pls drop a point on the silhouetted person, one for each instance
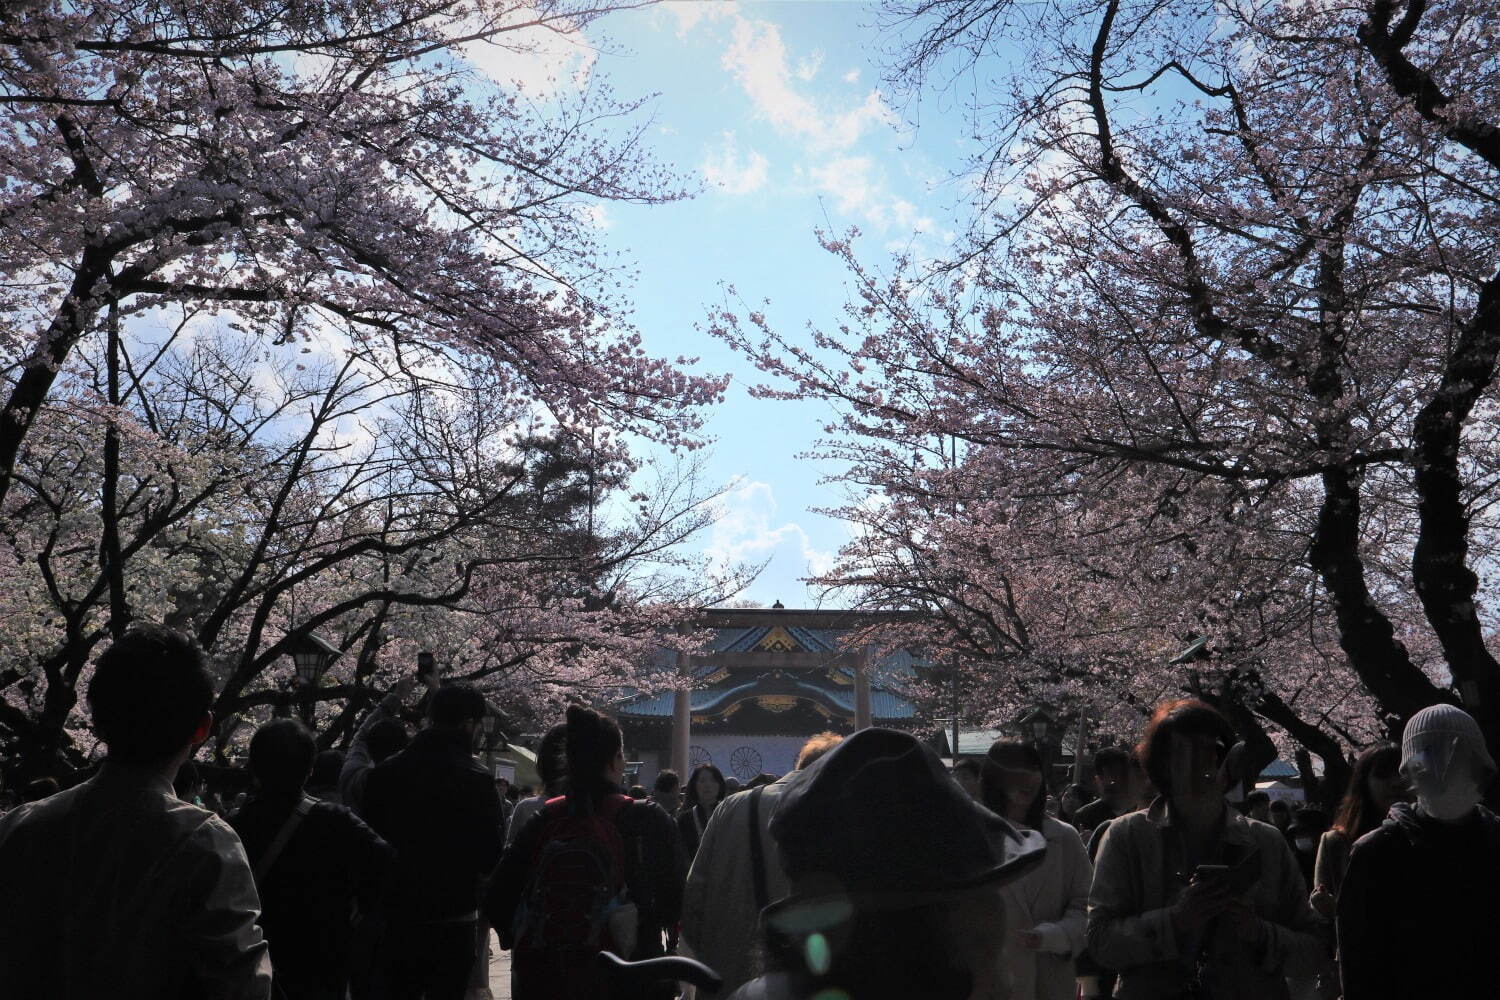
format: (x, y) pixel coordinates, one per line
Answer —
(1416, 911)
(381, 735)
(666, 791)
(323, 783)
(967, 773)
(1375, 785)
(552, 766)
(436, 805)
(117, 888)
(706, 788)
(314, 862)
(738, 873)
(1191, 897)
(1119, 782)
(594, 870)
(894, 874)
(1046, 907)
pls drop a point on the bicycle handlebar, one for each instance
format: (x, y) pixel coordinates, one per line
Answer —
(668, 968)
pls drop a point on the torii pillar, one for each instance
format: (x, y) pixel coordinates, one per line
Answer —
(862, 717)
(682, 721)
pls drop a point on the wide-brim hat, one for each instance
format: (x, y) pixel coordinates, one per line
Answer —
(880, 814)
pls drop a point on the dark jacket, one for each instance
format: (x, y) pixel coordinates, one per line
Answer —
(1415, 911)
(436, 805)
(691, 823)
(654, 874)
(1092, 814)
(331, 862)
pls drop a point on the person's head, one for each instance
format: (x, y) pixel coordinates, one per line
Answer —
(968, 772)
(1258, 806)
(1444, 756)
(39, 789)
(894, 872)
(732, 785)
(1074, 798)
(1375, 784)
(666, 790)
(502, 787)
(595, 752)
(458, 709)
(552, 760)
(1011, 783)
(327, 766)
(638, 792)
(706, 787)
(1184, 750)
(1281, 815)
(386, 738)
(150, 696)
(281, 757)
(1307, 827)
(1117, 777)
(815, 747)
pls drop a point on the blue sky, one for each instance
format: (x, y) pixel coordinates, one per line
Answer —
(777, 109)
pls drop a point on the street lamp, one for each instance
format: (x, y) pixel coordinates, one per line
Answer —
(1040, 724)
(311, 655)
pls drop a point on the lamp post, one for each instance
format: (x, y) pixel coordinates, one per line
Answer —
(311, 655)
(1040, 724)
(494, 739)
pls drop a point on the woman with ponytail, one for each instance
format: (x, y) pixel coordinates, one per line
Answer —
(592, 871)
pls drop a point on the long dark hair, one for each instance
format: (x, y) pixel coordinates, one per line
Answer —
(1004, 754)
(593, 740)
(1358, 814)
(690, 794)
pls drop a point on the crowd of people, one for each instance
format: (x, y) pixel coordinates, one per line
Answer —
(871, 870)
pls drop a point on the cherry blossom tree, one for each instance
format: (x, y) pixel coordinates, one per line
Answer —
(1237, 261)
(258, 501)
(291, 163)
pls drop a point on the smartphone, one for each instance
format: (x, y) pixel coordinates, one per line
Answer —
(1239, 877)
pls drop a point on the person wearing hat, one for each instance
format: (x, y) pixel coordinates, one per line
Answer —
(1415, 915)
(895, 874)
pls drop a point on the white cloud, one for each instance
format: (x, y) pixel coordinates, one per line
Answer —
(540, 59)
(725, 169)
(690, 13)
(746, 531)
(757, 58)
(808, 68)
(852, 76)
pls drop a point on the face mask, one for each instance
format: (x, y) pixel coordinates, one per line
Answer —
(1304, 844)
(1450, 802)
(1447, 789)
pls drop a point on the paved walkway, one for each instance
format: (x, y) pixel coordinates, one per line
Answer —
(499, 970)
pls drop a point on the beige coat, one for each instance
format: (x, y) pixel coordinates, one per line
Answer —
(1130, 929)
(720, 921)
(1053, 900)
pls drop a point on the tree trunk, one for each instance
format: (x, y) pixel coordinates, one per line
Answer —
(1365, 633)
(1445, 584)
(63, 333)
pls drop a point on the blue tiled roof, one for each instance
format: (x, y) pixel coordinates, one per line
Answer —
(731, 639)
(1279, 769)
(883, 704)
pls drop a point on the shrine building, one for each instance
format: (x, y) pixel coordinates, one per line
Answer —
(769, 679)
